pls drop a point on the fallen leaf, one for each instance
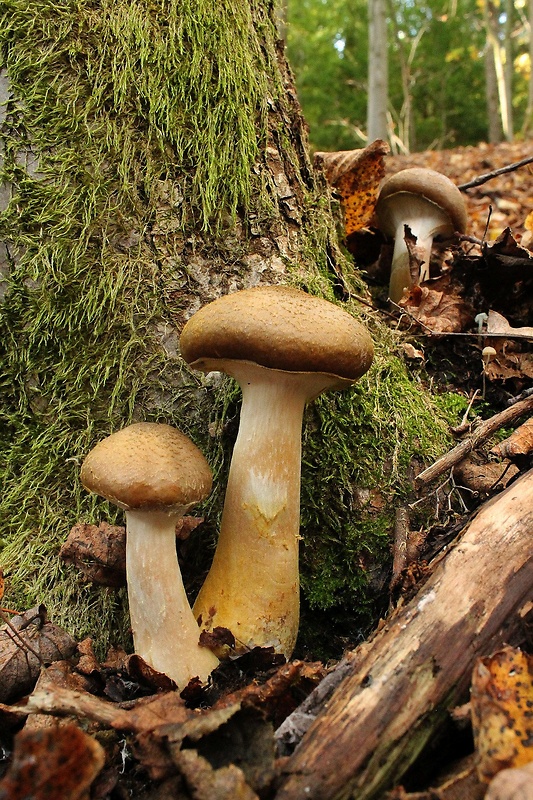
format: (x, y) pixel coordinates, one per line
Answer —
(501, 702)
(439, 306)
(206, 783)
(356, 175)
(496, 323)
(519, 443)
(512, 784)
(510, 362)
(483, 478)
(27, 643)
(411, 352)
(98, 551)
(52, 763)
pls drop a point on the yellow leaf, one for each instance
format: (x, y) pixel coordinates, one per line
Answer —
(502, 704)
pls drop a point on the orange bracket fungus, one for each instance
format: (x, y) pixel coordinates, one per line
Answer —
(284, 348)
(155, 473)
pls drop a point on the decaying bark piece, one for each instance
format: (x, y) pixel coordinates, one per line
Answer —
(397, 694)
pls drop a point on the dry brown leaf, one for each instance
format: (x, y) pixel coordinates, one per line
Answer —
(483, 478)
(509, 363)
(98, 551)
(410, 351)
(52, 763)
(27, 643)
(206, 783)
(356, 175)
(512, 784)
(519, 443)
(440, 308)
(497, 323)
(501, 702)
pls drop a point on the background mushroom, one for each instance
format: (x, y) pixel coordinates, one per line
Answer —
(284, 347)
(155, 473)
(430, 205)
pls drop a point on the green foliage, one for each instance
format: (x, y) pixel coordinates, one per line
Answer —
(435, 51)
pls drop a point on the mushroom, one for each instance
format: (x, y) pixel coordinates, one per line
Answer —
(284, 347)
(430, 205)
(155, 473)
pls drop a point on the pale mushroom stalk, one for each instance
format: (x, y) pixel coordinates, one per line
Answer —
(425, 220)
(161, 617)
(155, 474)
(284, 347)
(254, 576)
(429, 204)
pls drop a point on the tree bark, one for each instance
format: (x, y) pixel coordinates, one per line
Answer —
(378, 68)
(402, 684)
(494, 125)
(154, 156)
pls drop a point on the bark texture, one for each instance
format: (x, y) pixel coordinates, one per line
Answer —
(401, 685)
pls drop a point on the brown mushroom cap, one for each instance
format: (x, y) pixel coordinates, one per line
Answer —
(428, 183)
(280, 328)
(147, 466)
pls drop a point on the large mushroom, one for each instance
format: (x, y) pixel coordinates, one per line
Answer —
(155, 473)
(430, 205)
(284, 347)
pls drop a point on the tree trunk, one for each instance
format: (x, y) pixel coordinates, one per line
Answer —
(402, 684)
(527, 127)
(378, 78)
(492, 25)
(494, 124)
(157, 158)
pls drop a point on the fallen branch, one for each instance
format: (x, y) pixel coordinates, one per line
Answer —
(494, 174)
(483, 432)
(400, 686)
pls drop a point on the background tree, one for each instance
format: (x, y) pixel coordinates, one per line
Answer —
(378, 71)
(435, 49)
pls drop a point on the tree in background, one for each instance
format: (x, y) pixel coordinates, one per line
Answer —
(378, 71)
(439, 79)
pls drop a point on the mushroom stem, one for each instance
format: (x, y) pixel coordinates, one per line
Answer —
(252, 587)
(161, 617)
(424, 222)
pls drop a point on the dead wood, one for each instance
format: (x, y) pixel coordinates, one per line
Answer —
(494, 174)
(400, 686)
(483, 432)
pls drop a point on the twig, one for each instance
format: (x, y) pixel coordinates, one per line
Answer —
(488, 175)
(22, 643)
(465, 425)
(483, 432)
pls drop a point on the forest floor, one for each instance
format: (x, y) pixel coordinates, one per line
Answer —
(115, 730)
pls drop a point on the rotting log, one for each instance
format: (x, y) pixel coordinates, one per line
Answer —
(400, 686)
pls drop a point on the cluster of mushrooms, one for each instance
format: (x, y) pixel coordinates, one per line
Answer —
(284, 347)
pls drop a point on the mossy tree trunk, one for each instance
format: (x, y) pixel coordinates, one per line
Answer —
(154, 156)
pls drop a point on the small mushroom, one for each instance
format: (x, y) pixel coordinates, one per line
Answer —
(430, 205)
(487, 354)
(284, 347)
(155, 473)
